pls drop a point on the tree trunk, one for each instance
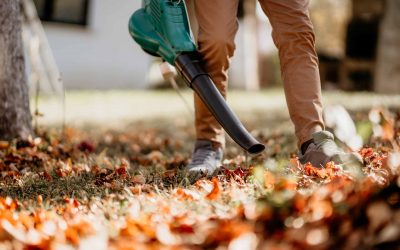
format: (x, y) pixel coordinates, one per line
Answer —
(387, 78)
(15, 116)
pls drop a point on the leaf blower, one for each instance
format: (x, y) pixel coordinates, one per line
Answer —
(162, 29)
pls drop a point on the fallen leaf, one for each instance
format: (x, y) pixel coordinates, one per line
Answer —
(216, 191)
(138, 179)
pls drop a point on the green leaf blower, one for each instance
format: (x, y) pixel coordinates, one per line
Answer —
(161, 28)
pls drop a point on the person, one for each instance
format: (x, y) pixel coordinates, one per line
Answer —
(293, 35)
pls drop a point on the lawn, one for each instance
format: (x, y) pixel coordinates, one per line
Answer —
(114, 179)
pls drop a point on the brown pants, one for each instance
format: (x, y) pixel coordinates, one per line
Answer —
(294, 37)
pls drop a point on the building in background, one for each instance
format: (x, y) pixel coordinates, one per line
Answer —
(358, 42)
(91, 43)
(93, 49)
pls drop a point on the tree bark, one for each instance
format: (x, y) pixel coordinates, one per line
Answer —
(387, 78)
(15, 116)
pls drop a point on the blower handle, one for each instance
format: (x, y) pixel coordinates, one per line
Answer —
(190, 66)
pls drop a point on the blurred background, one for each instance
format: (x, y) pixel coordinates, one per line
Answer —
(84, 46)
(356, 40)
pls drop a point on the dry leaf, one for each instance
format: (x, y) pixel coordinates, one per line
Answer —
(216, 191)
(269, 180)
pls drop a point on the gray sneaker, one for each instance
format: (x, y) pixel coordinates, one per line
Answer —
(205, 159)
(323, 149)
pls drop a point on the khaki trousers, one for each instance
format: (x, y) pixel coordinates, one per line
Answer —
(293, 35)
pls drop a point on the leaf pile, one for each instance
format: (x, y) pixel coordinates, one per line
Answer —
(129, 191)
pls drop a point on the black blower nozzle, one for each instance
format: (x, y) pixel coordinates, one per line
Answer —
(190, 66)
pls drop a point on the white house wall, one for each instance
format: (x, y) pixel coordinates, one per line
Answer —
(101, 55)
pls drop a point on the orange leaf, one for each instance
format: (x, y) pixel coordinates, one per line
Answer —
(204, 184)
(184, 194)
(216, 191)
(388, 130)
(269, 180)
(183, 229)
(310, 170)
(300, 202)
(366, 152)
(4, 144)
(39, 199)
(72, 235)
(136, 190)
(285, 184)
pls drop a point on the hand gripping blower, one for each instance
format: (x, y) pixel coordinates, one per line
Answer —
(162, 29)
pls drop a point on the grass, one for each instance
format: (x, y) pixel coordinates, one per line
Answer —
(117, 181)
(115, 108)
(160, 115)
